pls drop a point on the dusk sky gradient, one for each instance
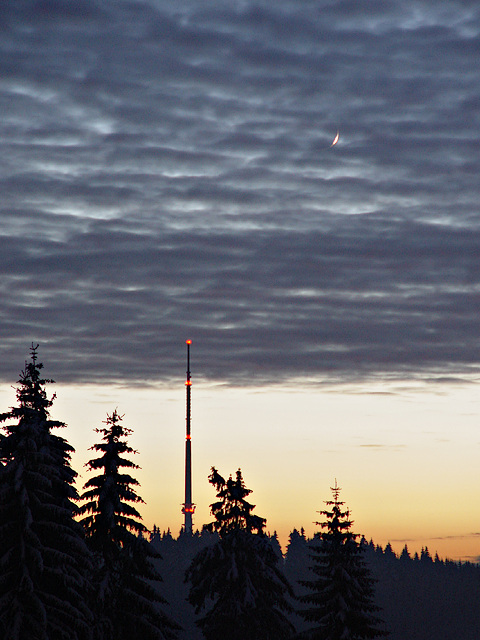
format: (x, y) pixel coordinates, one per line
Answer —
(166, 173)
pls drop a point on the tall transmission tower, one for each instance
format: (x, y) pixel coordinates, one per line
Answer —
(188, 507)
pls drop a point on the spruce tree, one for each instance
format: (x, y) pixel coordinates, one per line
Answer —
(237, 579)
(43, 556)
(297, 549)
(126, 602)
(341, 594)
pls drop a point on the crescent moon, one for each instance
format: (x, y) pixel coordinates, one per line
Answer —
(336, 139)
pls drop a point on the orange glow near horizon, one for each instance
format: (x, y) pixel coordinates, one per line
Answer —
(400, 453)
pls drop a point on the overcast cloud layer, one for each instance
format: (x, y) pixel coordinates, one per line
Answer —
(166, 173)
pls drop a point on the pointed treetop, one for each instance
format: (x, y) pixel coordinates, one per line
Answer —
(232, 512)
(33, 402)
(337, 519)
(336, 492)
(33, 352)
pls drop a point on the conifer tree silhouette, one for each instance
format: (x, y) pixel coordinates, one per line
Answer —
(43, 556)
(125, 599)
(238, 579)
(341, 593)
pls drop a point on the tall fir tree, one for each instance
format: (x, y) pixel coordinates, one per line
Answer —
(43, 556)
(341, 595)
(127, 604)
(238, 579)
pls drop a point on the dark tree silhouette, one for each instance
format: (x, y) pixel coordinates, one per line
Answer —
(237, 579)
(297, 548)
(126, 602)
(341, 595)
(43, 556)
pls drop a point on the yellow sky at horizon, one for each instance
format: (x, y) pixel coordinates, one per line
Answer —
(405, 457)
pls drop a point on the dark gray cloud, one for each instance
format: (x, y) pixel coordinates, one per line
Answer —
(166, 172)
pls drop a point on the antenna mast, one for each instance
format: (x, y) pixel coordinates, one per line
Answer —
(188, 507)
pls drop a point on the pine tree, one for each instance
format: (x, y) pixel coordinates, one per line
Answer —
(43, 556)
(405, 555)
(341, 594)
(126, 602)
(237, 579)
(297, 548)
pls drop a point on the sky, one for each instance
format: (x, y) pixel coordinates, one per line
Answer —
(166, 172)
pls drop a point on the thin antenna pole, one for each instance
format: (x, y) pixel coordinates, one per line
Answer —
(188, 507)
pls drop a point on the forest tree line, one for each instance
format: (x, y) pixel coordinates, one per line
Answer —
(84, 567)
